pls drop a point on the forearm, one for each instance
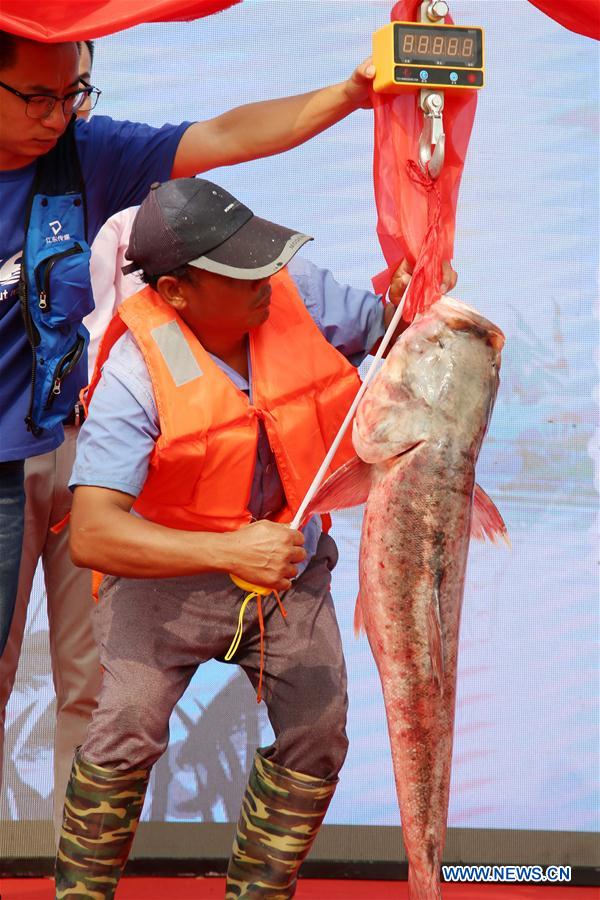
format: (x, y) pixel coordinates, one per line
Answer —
(277, 125)
(118, 543)
(263, 129)
(105, 536)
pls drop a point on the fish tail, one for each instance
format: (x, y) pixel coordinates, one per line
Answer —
(423, 886)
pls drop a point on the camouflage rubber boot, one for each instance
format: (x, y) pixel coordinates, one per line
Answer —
(102, 810)
(281, 814)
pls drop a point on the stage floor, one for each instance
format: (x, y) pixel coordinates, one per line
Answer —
(308, 889)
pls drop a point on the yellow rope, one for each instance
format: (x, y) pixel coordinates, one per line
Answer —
(240, 626)
(255, 592)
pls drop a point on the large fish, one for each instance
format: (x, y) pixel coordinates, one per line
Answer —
(418, 431)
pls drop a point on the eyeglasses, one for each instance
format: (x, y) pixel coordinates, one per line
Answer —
(40, 106)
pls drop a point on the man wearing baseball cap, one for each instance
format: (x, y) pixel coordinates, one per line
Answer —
(218, 390)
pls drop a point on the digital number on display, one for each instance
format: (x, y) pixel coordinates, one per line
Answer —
(426, 45)
(438, 46)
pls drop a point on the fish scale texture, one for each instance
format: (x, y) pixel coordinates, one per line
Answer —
(420, 426)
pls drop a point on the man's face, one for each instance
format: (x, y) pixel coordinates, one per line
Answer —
(231, 306)
(38, 69)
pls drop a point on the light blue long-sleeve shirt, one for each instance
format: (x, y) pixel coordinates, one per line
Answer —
(117, 439)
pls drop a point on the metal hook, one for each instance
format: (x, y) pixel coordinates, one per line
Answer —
(432, 104)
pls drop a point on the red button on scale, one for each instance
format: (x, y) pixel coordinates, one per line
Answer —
(471, 78)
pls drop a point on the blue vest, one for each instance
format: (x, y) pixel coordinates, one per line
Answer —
(55, 289)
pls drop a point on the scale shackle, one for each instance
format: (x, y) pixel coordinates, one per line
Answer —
(436, 10)
(432, 135)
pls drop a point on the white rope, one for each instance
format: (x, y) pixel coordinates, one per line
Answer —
(316, 484)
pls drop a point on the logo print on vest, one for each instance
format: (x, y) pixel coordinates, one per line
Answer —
(56, 228)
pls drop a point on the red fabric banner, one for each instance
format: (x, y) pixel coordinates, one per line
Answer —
(77, 20)
(416, 214)
(582, 16)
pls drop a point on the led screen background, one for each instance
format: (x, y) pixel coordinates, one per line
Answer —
(526, 748)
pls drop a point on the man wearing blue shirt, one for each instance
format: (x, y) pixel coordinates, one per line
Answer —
(113, 163)
(74, 661)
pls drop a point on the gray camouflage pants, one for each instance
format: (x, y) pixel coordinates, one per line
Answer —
(153, 635)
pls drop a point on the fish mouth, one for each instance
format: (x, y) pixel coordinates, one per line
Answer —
(410, 449)
(405, 452)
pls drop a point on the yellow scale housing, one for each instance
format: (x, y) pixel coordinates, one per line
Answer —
(409, 55)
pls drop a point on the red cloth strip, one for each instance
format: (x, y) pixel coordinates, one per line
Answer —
(582, 16)
(40, 20)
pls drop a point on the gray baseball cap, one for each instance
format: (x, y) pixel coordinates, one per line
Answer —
(195, 222)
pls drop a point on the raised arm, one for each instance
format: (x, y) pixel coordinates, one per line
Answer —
(106, 537)
(269, 127)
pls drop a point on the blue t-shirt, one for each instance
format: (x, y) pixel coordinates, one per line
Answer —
(119, 161)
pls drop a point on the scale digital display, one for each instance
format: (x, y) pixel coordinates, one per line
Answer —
(437, 46)
(416, 54)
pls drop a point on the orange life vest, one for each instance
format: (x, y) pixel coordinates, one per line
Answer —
(201, 470)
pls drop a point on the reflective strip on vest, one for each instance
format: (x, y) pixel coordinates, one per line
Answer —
(175, 350)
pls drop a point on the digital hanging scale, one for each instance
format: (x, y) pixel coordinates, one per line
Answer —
(430, 57)
(416, 54)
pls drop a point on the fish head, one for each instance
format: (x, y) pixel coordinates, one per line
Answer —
(438, 383)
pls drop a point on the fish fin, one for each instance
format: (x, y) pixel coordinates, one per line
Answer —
(436, 640)
(348, 486)
(486, 520)
(359, 624)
